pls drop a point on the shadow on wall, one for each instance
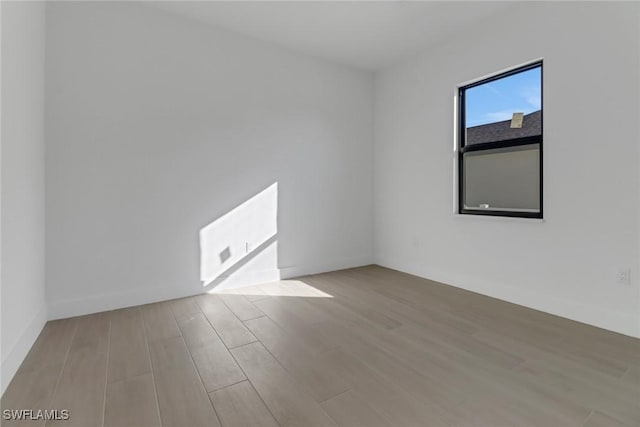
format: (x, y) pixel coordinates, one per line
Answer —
(240, 248)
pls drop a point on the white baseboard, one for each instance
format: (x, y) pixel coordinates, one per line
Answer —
(622, 323)
(333, 265)
(62, 309)
(111, 301)
(21, 347)
(243, 279)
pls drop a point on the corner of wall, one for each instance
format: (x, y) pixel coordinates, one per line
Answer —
(21, 347)
(23, 289)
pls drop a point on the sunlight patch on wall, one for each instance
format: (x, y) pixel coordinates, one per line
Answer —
(240, 248)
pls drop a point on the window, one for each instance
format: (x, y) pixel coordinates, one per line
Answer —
(500, 144)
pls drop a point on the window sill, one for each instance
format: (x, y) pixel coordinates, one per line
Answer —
(498, 218)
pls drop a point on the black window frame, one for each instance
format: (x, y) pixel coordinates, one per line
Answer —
(507, 143)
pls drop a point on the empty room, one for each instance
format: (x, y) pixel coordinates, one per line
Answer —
(320, 213)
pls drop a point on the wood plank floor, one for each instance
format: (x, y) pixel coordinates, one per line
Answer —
(360, 347)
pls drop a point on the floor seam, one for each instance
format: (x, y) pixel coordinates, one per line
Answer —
(252, 386)
(106, 373)
(153, 377)
(227, 386)
(240, 366)
(333, 397)
(64, 364)
(193, 363)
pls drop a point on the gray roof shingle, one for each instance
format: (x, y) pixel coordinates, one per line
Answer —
(500, 131)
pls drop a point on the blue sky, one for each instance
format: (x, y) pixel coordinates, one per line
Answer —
(499, 99)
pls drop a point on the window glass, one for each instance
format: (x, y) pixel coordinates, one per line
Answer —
(502, 179)
(505, 108)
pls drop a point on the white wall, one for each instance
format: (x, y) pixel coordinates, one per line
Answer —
(157, 126)
(567, 264)
(22, 296)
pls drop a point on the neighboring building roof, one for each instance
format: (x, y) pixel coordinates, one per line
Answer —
(499, 131)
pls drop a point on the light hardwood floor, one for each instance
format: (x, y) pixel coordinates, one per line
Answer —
(361, 347)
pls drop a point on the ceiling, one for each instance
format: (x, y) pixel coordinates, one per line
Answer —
(365, 34)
